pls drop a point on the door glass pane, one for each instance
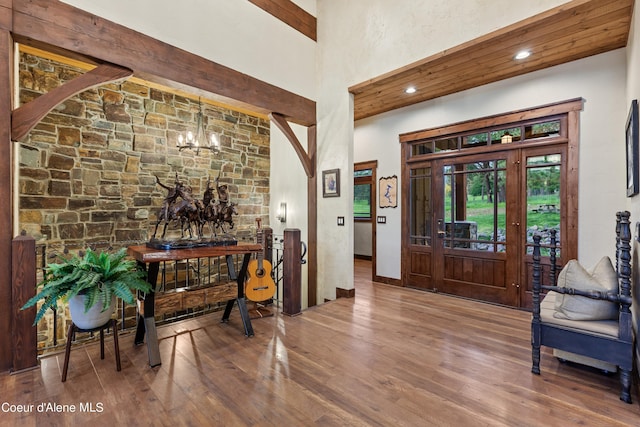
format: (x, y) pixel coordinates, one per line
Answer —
(422, 148)
(477, 140)
(506, 136)
(542, 130)
(420, 183)
(475, 206)
(543, 199)
(448, 144)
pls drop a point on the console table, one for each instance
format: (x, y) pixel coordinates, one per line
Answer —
(150, 259)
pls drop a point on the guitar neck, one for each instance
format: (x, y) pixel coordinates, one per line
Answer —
(260, 255)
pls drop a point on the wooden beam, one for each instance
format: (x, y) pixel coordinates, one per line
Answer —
(6, 201)
(312, 220)
(5, 15)
(292, 15)
(282, 124)
(29, 115)
(44, 23)
(308, 159)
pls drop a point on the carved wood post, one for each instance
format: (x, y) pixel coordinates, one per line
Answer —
(535, 324)
(552, 258)
(292, 272)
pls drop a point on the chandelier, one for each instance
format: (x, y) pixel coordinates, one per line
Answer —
(198, 140)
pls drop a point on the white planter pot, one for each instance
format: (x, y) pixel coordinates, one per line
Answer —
(94, 317)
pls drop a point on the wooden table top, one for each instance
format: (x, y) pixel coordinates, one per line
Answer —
(145, 254)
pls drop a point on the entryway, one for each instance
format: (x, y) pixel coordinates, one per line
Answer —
(472, 202)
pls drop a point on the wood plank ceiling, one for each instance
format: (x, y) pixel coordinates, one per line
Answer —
(575, 30)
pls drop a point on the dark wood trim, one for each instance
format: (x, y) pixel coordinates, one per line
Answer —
(6, 201)
(292, 15)
(27, 116)
(388, 281)
(573, 162)
(64, 29)
(24, 334)
(345, 293)
(364, 257)
(495, 120)
(280, 121)
(312, 221)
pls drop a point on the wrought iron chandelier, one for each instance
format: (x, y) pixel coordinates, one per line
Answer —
(199, 140)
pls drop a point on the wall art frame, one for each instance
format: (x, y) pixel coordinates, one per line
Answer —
(388, 192)
(331, 183)
(631, 132)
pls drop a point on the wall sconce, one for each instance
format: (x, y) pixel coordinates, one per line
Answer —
(506, 138)
(282, 212)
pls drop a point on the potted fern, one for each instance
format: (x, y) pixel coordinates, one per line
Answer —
(90, 284)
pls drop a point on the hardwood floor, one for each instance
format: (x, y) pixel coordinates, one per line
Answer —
(389, 356)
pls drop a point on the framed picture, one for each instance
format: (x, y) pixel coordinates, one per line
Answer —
(331, 183)
(632, 150)
(388, 192)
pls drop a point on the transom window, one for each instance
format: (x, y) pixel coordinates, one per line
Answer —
(521, 133)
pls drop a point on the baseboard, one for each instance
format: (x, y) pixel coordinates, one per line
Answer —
(387, 280)
(365, 257)
(345, 293)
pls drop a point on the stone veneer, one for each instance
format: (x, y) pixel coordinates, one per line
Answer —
(88, 170)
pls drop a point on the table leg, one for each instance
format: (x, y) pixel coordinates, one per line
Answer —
(147, 325)
(242, 306)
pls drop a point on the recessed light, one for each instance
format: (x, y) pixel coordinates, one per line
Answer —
(522, 54)
(410, 89)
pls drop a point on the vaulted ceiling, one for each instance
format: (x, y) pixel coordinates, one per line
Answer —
(575, 30)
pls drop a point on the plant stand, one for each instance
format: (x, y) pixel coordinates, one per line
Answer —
(71, 334)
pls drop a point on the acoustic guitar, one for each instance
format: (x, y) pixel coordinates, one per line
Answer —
(259, 285)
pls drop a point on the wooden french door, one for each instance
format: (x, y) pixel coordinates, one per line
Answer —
(472, 218)
(474, 194)
(469, 244)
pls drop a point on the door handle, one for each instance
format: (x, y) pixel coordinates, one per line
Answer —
(441, 230)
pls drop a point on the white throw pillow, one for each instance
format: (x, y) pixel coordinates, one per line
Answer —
(602, 277)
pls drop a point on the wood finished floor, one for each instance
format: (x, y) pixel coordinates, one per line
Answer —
(388, 357)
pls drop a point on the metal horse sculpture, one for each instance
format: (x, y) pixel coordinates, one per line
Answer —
(179, 206)
(216, 213)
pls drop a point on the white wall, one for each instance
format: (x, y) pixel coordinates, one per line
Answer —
(362, 238)
(359, 40)
(288, 183)
(600, 80)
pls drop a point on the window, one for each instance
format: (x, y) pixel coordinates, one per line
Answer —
(363, 188)
(362, 201)
(524, 132)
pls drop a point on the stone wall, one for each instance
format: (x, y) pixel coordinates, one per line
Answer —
(88, 170)
(87, 174)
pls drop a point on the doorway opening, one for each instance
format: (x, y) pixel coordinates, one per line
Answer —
(364, 212)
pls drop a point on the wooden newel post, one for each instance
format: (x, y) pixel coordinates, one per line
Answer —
(23, 287)
(292, 272)
(267, 241)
